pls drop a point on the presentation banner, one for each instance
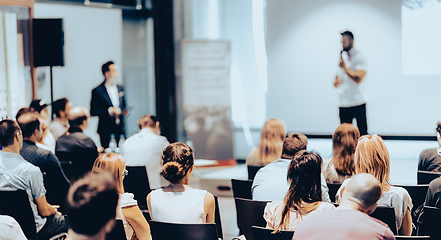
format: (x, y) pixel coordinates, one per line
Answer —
(207, 98)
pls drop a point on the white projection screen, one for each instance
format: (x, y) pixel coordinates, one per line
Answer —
(303, 45)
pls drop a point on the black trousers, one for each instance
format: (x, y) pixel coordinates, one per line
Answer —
(357, 112)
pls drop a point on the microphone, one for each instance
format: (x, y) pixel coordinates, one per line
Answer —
(341, 53)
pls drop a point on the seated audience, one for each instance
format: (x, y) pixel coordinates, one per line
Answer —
(135, 224)
(433, 199)
(270, 182)
(59, 126)
(341, 165)
(55, 182)
(270, 144)
(350, 220)
(178, 202)
(91, 206)
(75, 146)
(372, 156)
(430, 159)
(48, 139)
(10, 229)
(18, 174)
(304, 197)
(145, 149)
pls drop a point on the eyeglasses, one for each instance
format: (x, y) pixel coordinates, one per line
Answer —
(125, 173)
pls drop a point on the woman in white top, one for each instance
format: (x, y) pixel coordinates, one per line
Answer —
(135, 225)
(178, 202)
(270, 144)
(304, 196)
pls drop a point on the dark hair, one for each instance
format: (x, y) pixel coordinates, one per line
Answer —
(92, 202)
(77, 121)
(147, 121)
(22, 111)
(8, 128)
(293, 143)
(38, 105)
(344, 143)
(348, 33)
(28, 122)
(438, 127)
(105, 67)
(177, 159)
(305, 185)
(59, 105)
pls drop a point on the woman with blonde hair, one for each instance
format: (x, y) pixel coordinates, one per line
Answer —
(135, 225)
(372, 156)
(341, 165)
(270, 144)
(178, 202)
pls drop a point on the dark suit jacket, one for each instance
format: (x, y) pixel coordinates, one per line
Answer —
(55, 181)
(99, 106)
(78, 148)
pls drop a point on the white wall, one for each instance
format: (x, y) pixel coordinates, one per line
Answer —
(92, 36)
(303, 44)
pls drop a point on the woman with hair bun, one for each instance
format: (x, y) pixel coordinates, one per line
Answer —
(178, 202)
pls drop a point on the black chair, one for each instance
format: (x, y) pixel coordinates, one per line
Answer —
(163, 231)
(217, 218)
(137, 182)
(386, 215)
(242, 188)
(118, 232)
(333, 188)
(252, 170)
(418, 195)
(249, 213)
(425, 177)
(431, 220)
(411, 237)
(16, 204)
(261, 233)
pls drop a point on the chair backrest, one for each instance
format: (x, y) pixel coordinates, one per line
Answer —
(181, 231)
(242, 188)
(432, 218)
(16, 204)
(411, 237)
(217, 218)
(261, 233)
(249, 213)
(333, 188)
(118, 232)
(68, 170)
(252, 170)
(417, 193)
(137, 182)
(425, 177)
(386, 215)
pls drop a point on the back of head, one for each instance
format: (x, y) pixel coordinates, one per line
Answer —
(22, 111)
(271, 140)
(364, 189)
(8, 131)
(113, 163)
(77, 116)
(92, 202)
(59, 105)
(38, 105)
(177, 159)
(372, 156)
(29, 122)
(293, 143)
(147, 121)
(344, 143)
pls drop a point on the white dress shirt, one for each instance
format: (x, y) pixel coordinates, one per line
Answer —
(112, 90)
(145, 149)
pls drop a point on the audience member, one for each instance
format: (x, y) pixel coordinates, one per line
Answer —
(18, 174)
(341, 165)
(304, 197)
(372, 156)
(59, 126)
(135, 224)
(270, 182)
(75, 146)
(48, 139)
(145, 149)
(430, 159)
(55, 181)
(91, 206)
(270, 144)
(10, 229)
(350, 220)
(433, 199)
(178, 202)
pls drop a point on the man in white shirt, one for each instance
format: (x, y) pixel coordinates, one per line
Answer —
(145, 149)
(349, 79)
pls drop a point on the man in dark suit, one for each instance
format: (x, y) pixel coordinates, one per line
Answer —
(109, 104)
(75, 146)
